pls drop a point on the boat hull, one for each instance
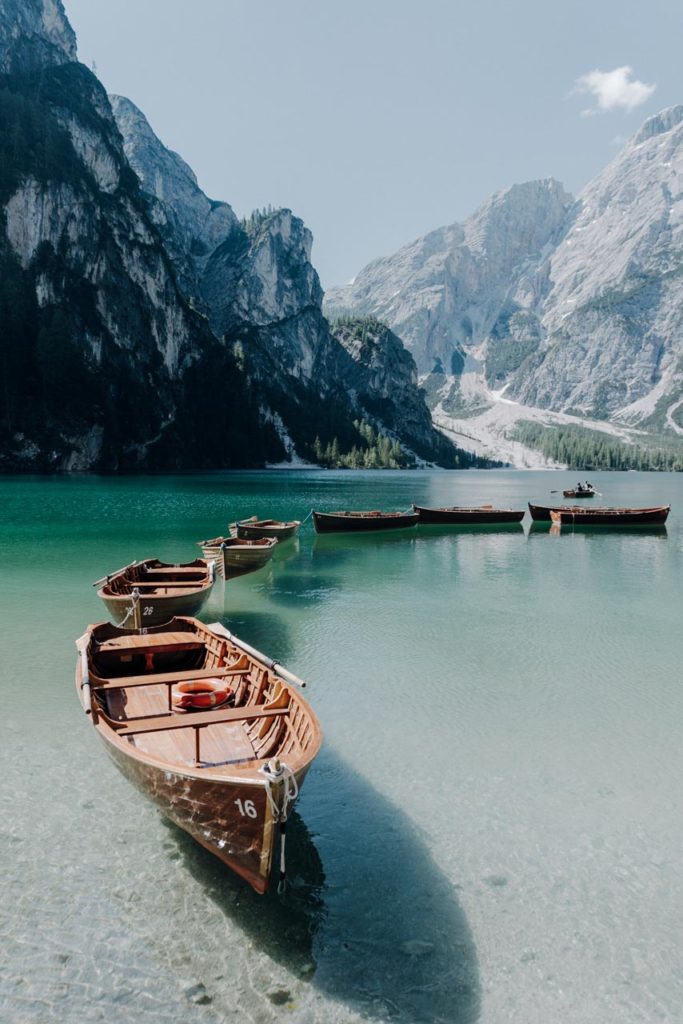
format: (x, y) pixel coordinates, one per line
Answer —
(154, 611)
(207, 809)
(331, 522)
(541, 513)
(247, 531)
(611, 517)
(238, 559)
(467, 516)
(578, 494)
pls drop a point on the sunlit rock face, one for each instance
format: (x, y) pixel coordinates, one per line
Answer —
(34, 34)
(572, 306)
(444, 293)
(191, 225)
(612, 320)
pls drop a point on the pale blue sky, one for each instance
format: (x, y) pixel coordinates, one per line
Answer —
(377, 120)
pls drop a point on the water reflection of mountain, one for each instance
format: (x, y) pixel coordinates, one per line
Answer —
(369, 919)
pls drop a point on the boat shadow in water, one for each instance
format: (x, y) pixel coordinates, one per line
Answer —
(283, 926)
(369, 919)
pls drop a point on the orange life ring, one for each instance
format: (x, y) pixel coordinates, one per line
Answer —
(204, 693)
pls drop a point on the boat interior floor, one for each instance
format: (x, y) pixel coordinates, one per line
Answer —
(222, 744)
(138, 673)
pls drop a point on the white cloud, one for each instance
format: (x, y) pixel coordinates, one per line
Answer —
(613, 90)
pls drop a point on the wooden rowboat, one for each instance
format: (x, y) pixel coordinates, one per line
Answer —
(356, 522)
(580, 492)
(611, 516)
(255, 529)
(235, 557)
(541, 513)
(458, 516)
(151, 592)
(229, 775)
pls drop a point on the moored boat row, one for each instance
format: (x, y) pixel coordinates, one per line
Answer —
(215, 733)
(371, 521)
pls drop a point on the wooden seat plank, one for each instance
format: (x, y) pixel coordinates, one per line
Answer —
(140, 642)
(200, 719)
(188, 584)
(151, 678)
(175, 570)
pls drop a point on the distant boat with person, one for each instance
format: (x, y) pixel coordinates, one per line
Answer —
(581, 491)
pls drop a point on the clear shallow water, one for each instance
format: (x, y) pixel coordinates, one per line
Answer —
(493, 830)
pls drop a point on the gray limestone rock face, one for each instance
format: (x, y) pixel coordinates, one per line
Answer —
(33, 34)
(192, 225)
(612, 318)
(574, 307)
(444, 293)
(382, 375)
(134, 299)
(257, 286)
(256, 275)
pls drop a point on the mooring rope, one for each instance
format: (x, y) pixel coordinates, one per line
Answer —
(277, 773)
(135, 600)
(304, 521)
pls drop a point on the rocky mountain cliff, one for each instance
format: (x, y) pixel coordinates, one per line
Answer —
(570, 308)
(445, 293)
(34, 35)
(104, 363)
(610, 326)
(383, 378)
(255, 282)
(141, 324)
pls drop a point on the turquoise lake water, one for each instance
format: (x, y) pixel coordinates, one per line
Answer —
(492, 831)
